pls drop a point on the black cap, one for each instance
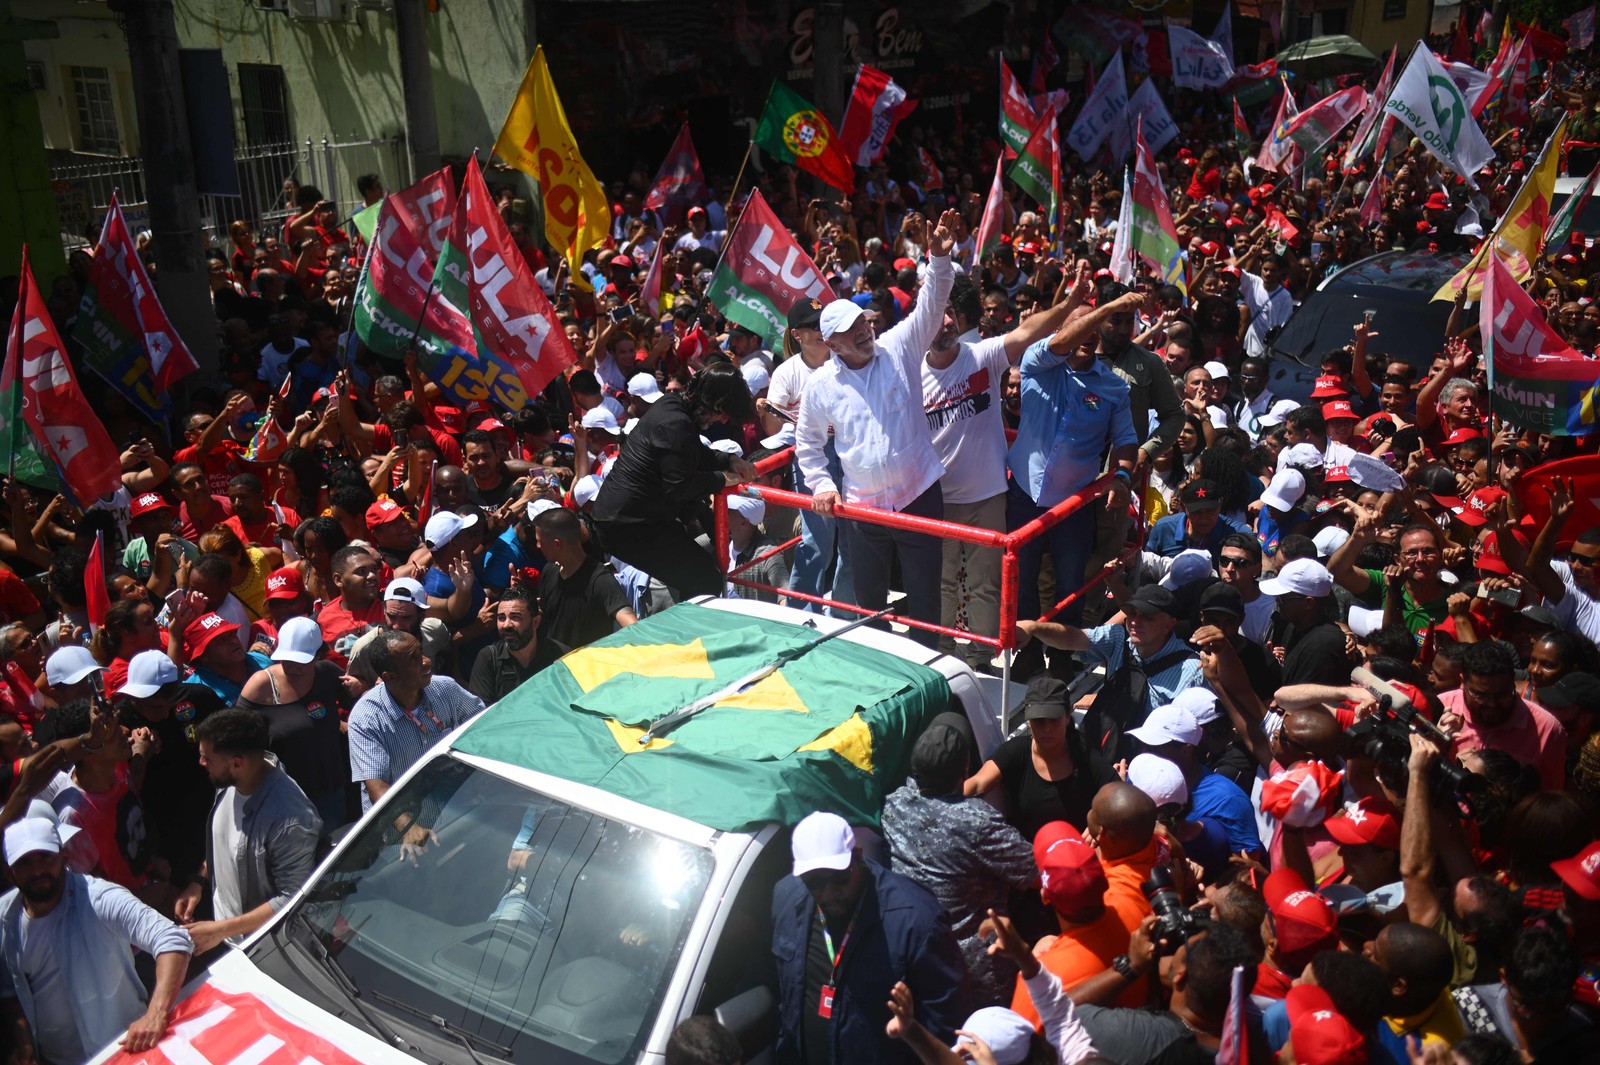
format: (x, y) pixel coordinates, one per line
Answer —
(1150, 599)
(1222, 599)
(1200, 494)
(939, 759)
(1046, 698)
(806, 314)
(1577, 690)
(1440, 482)
(1540, 615)
(735, 327)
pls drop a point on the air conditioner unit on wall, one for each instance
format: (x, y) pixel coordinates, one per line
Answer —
(317, 10)
(273, 5)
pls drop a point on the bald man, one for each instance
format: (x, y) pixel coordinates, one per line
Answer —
(1122, 825)
(449, 487)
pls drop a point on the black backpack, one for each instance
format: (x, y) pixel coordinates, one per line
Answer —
(1119, 699)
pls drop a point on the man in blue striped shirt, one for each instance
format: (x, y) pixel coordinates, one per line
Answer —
(396, 722)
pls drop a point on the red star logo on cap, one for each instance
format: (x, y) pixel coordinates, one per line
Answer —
(1199, 493)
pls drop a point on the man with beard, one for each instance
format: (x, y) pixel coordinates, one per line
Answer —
(502, 666)
(68, 985)
(262, 843)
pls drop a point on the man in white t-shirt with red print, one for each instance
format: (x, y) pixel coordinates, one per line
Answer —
(961, 392)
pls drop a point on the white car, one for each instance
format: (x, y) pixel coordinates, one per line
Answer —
(581, 892)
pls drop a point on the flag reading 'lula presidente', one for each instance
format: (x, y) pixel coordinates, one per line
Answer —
(763, 273)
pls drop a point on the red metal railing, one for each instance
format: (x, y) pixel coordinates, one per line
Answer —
(1008, 543)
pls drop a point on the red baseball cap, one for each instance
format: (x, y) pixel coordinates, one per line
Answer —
(285, 583)
(1301, 919)
(1070, 875)
(1318, 1033)
(1338, 408)
(1372, 820)
(1462, 435)
(205, 629)
(1438, 201)
(1335, 474)
(1329, 387)
(904, 263)
(449, 418)
(382, 512)
(1581, 872)
(1474, 510)
(1489, 558)
(148, 502)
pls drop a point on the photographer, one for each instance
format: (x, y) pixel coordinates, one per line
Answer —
(1486, 711)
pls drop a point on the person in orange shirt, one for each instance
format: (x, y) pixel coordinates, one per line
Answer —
(1122, 825)
(1073, 884)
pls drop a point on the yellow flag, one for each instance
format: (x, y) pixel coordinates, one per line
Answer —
(537, 140)
(1517, 238)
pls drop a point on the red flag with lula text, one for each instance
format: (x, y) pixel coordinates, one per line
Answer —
(680, 183)
(65, 428)
(97, 599)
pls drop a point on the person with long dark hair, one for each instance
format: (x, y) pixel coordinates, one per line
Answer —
(655, 491)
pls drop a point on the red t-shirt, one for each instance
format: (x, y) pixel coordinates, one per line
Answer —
(19, 697)
(223, 464)
(16, 601)
(336, 621)
(445, 444)
(260, 532)
(191, 531)
(114, 822)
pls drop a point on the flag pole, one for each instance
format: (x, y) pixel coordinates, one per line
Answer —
(733, 193)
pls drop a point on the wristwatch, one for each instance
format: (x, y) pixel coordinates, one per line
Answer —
(1124, 966)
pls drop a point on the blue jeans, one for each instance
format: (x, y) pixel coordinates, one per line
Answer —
(1071, 541)
(816, 551)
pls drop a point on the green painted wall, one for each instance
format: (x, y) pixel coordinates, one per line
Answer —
(27, 205)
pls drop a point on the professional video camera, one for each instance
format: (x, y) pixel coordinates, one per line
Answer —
(1175, 922)
(1384, 737)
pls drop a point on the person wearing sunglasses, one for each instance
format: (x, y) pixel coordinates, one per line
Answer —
(1572, 589)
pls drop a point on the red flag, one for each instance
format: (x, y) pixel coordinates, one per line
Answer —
(269, 443)
(1461, 44)
(510, 314)
(1241, 129)
(931, 177)
(1533, 492)
(122, 288)
(876, 107)
(1017, 118)
(1277, 220)
(97, 599)
(650, 291)
(987, 239)
(1372, 206)
(680, 183)
(64, 426)
(1545, 44)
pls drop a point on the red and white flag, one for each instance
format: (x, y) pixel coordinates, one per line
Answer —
(929, 166)
(1017, 117)
(1372, 205)
(680, 183)
(650, 291)
(96, 597)
(65, 428)
(987, 239)
(876, 107)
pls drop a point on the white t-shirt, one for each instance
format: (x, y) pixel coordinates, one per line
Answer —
(1268, 311)
(1258, 618)
(962, 402)
(227, 839)
(789, 384)
(121, 507)
(275, 364)
(1577, 611)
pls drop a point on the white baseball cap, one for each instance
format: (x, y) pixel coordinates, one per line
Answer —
(779, 440)
(1158, 778)
(446, 526)
(1286, 489)
(822, 841)
(148, 672)
(728, 447)
(1168, 724)
(1303, 576)
(1217, 369)
(1302, 455)
(601, 418)
(837, 317)
(1201, 702)
(1187, 567)
(299, 640)
(406, 590)
(756, 375)
(644, 386)
(29, 835)
(586, 489)
(40, 808)
(1008, 1035)
(69, 665)
(1278, 413)
(539, 506)
(1329, 540)
(749, 508)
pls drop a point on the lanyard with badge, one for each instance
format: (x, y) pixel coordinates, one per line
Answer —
(825, 1000)
(431, 717)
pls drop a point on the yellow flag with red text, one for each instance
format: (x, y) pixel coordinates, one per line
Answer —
(537, 140)
(1517, 239)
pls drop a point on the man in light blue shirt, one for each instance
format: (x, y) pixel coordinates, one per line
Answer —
(1074, 410)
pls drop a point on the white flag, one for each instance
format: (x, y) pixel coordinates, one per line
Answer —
(1144, 107)
(1196, 62)
(1101, 111)
(1223, 34)
(1122, 246)
(1427, 102)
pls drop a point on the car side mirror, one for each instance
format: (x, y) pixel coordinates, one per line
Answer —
(752, 1017)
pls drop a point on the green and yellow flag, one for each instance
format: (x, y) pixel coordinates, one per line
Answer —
(537, 140)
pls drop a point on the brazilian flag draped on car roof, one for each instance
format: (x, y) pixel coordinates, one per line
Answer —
(829, 731)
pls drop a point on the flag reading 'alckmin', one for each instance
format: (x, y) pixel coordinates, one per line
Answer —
(1017, 117)
(121, 328)
(793, 131)
(1155, 238)
(1536, 380)
(1036, 168)
(763, 273)
(537, 140)
(1427, 102)
(65, 431)
(482, 273)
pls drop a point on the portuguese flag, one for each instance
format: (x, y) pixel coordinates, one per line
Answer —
(793, 131)
(831, 730)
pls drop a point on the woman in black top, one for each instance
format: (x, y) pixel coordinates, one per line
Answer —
(664, 475)
(1046, 773)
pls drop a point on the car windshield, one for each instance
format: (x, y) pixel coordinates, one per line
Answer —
(540, 931)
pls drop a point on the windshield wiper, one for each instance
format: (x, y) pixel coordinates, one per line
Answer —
(318, 951)
(461, 1035)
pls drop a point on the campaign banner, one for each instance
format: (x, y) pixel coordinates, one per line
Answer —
(1537, 380)
(1102, 111)
(1197, 63)
(1145, 109)
(763, 273)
